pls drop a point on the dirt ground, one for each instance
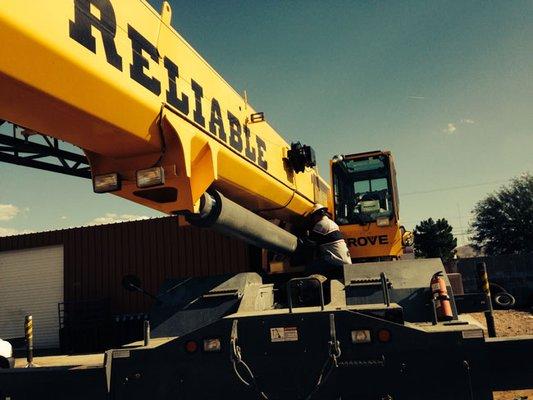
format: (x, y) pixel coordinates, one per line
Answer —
(511, 323)
(62, 360)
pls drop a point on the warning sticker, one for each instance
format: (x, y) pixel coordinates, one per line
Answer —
(472, 334)
(121, 353)
(284, 334)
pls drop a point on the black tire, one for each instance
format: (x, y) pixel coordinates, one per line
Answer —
(504, 300)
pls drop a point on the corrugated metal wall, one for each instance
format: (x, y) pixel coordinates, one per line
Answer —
(96, 258)
(31, 282)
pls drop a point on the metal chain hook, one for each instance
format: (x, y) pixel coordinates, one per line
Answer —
(334, 345)
(237, 362)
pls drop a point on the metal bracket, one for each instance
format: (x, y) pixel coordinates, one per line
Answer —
(307, 278)
(382, 281)
(257, 117)
(235, 349)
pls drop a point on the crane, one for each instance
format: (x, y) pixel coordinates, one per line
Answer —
(161, 128)
(158, 124)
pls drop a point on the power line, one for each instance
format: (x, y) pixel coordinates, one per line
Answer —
(412, 221)
(453, 188)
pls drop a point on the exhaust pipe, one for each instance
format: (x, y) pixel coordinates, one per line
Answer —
(226, 216)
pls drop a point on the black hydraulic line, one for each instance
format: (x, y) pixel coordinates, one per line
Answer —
(280, 207)
(161, 136)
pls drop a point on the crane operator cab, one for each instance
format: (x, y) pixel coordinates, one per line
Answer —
(366, 205)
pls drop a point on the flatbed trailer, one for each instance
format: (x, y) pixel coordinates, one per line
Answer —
(240, 336)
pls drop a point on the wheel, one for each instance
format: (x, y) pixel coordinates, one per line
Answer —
(504, 300)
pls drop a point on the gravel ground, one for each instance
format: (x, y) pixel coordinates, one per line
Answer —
(57, 361)
(511, 323)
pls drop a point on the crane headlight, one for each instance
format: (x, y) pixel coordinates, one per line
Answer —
(106, 183)
(383, 221)
(150, 177)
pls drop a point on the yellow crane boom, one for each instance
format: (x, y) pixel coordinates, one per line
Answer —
(115, 79)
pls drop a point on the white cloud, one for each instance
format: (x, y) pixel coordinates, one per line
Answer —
(450, 129)
(110, 218)
(63, 217)
(8, 211)
(12, 231)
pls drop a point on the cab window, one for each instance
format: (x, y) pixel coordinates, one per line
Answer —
(362, 190)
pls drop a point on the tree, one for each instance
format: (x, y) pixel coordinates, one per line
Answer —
(434, 239)
(503, 221)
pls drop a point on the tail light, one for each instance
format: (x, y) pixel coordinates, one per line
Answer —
(191, 346)
(384, 336)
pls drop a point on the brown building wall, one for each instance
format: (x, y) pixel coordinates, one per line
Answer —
(97, 257)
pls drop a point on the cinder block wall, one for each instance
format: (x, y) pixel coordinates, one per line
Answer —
(513, 272)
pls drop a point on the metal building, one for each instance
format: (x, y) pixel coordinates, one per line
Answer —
(71, 279)
(31, 282)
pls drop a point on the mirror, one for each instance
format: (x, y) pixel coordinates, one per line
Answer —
(132, 283)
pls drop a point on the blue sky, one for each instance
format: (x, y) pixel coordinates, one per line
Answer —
(447, 86)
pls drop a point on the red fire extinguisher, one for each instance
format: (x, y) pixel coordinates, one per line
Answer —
(440, 295)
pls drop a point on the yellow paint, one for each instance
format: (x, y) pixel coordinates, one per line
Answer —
(53, 84)
(363, 240)
(367, 241)
(56, 86)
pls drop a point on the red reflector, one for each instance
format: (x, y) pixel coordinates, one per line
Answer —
(191, 346)
(384, 336)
